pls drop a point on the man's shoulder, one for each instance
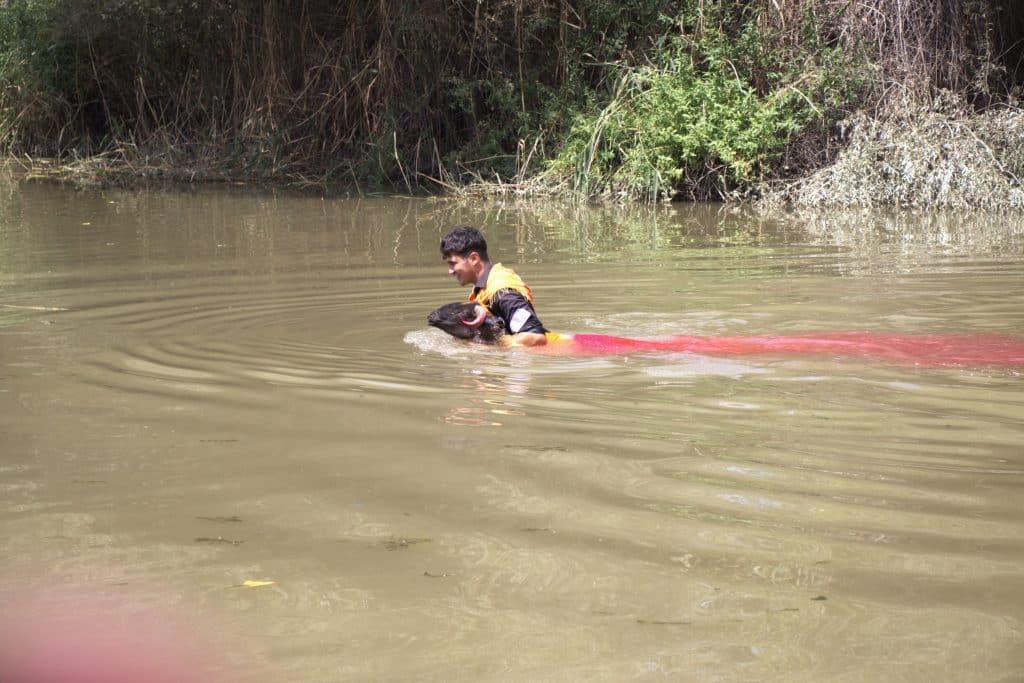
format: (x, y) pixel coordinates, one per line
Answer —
(509, 295)
(500, 274)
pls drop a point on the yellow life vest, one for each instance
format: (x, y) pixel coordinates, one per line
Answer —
(498, 279)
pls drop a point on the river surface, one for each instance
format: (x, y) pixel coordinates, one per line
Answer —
(226, 405)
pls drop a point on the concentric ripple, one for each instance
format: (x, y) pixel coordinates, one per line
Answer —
(225, 346)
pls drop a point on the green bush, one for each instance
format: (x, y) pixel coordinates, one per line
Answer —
(709, 116)
(671, 129)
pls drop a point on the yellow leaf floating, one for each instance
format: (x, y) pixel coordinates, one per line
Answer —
(249, 583)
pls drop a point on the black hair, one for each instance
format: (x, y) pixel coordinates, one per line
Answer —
(463, 239)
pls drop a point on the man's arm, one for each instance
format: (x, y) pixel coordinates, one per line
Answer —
(522, 326)
(525, 339)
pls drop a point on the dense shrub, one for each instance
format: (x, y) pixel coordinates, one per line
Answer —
(694, 121)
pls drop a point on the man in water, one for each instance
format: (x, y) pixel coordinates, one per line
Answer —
(495, 287)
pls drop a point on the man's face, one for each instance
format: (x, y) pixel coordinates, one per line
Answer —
(463, 268)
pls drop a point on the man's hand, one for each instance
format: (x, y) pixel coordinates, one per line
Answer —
(525, 339)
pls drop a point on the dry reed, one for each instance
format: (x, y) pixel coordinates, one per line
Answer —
(923, 156)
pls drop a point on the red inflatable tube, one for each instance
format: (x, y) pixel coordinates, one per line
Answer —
(935, 350)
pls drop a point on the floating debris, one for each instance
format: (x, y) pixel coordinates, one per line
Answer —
(219, 539)
(33, 308)
(654, 622)
(536, 449)
(403, 543)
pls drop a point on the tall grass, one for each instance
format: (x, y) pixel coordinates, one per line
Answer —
(382, 92)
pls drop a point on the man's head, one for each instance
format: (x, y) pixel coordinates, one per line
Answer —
(468, 321)
(462, 240)
(464, 249)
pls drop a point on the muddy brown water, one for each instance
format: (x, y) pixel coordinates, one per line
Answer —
(200, 389)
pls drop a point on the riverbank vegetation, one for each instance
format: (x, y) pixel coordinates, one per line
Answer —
(804, 101)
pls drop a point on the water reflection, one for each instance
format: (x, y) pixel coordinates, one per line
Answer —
(905, 242)
(489, 398)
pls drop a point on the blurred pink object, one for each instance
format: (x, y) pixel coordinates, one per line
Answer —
(86, 641)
